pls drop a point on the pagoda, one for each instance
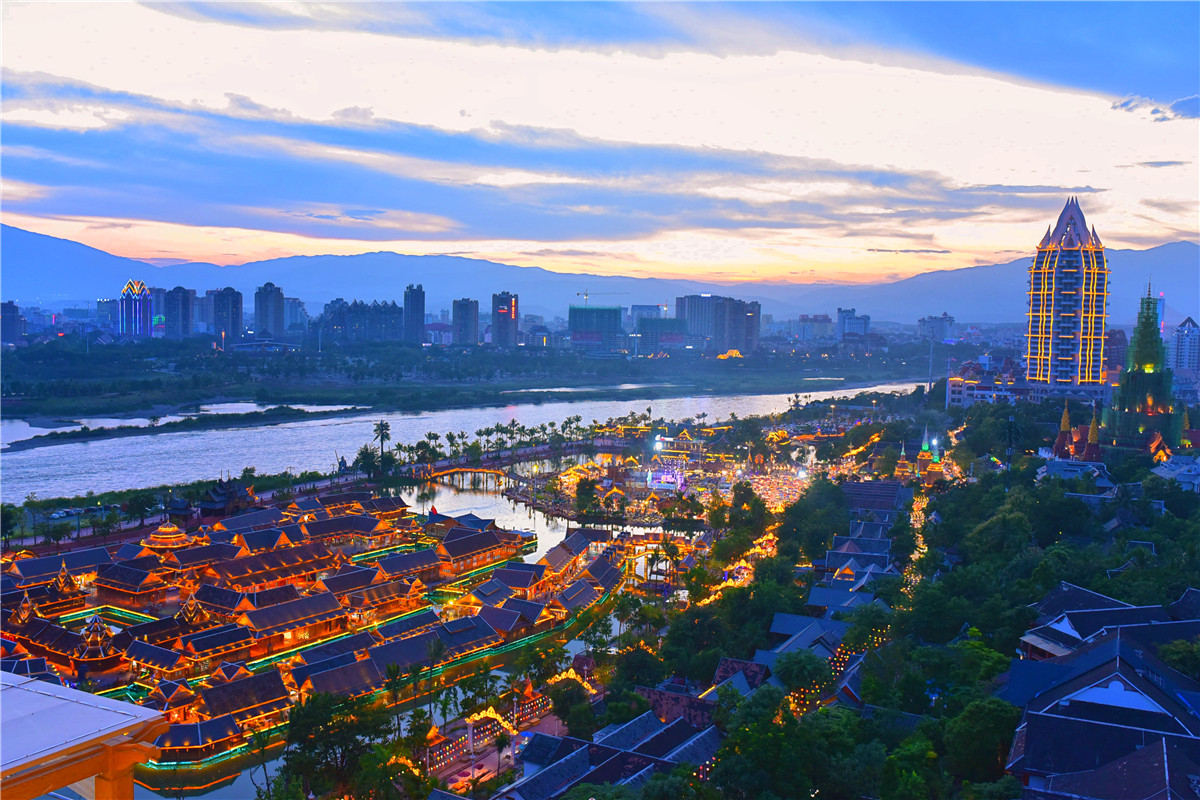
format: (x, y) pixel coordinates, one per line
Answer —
(1143, 409)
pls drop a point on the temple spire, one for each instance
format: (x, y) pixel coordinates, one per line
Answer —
(1065, 425)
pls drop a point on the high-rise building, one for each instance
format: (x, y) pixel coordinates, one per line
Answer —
(269, 311)
(178, 307)
(851, 322)
(725, 322)
(359, 321)
(595, 327)
(294, 313)
(203, 311)
(1068, 296)
(414, 314)
(227, 315)
(1186, 350)
(465, 323)
(640, 312)
(10, 322)
(655, 334)
(108, 312)
(1116, 347)
(504, 320)
(938, 329)
(133, 318)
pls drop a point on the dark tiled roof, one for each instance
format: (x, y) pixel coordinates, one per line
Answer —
(128, 579)
(266, 539)
(301, 673)
(254, 519)
(349, 579)
(539, 570)
(199, 734)
(355, 643)
(558, 557)
(79, 562)
(342, 526)
(220, 639)
(357, 678)
(409, 563)
(247, 697)
(153, 656)
(408, 624)
(636, 730)
(466, 634)
(273, 596)
(516, 578)
(287, 562)
(218, 598)
(1069, 597)
(603, 574)
(403, 652)
(579, 594)
(295, 614)
(380, 593)
(492, 592)
(667, 739)
(1187, 606)
(501, 619)
(471, 545)
(204, 554)
(526, 608)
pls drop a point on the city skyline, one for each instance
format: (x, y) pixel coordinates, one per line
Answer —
(550, 136)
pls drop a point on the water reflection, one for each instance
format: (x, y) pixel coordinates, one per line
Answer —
(165, 458)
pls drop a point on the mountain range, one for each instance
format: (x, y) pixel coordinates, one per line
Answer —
(41, 270)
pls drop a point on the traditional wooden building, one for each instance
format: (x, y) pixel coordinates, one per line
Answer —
(211, 647)
(463, 550)
(254, 702)
(299, 565)
(128, 587)
(287, 625)
(196, 741)
(382, 600)
(422, 564)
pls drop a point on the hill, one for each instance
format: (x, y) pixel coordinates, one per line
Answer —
(57, 273)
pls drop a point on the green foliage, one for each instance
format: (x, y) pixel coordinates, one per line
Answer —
(1182, 655)
(811, 522)
(327, 736)
(978, 739)
(803, 669)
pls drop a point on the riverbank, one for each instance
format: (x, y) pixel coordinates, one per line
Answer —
(286, 413)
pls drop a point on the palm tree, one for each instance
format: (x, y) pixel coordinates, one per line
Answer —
(383, 432)
(502, 741)
(393, 684)
(624, 607)
(671, 556)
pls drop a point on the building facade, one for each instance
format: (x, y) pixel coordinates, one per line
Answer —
(595, 327)
(269, 311)
(178, 307)
(937, 329)
(414, 314)
(505, 313)
(294, 313)
(134, 316)
(1068, 296)
(227, 315)
(725, 322)
(465, 322)
(11, 327)
(850, 322)
(1186, 350)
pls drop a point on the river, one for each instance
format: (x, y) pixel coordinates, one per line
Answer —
(75, 468)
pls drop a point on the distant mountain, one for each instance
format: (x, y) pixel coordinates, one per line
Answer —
(57, 273)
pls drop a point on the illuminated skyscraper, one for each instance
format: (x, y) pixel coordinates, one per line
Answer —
(505, 319)
(134, 315)
(1068, 296)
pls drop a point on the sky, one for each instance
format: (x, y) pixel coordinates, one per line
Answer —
(840, 142)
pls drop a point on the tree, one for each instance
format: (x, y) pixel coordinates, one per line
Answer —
(10, 520)
(1182, 655)
(885, 462)
(803, 670)
(367, 461)
(503, 740)
(585, 495)
(978, 739)
(597, 634)
(139, 505)
(328, 735)
(393, 683)
(383, 432)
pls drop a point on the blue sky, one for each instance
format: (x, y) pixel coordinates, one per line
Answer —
(848, 141)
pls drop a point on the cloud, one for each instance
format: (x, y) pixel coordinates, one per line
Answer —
(881, 250)
(1155, 164)
(1180, 207)
(1183, 108)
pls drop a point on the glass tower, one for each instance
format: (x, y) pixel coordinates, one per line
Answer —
(1068, 298)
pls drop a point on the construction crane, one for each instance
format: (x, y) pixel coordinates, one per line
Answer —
(585, 294)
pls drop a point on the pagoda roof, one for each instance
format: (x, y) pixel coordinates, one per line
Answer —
(1071, 230)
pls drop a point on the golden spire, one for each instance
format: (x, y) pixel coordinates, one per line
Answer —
(1094, 430)
(1065, 425)
(1187, 423)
